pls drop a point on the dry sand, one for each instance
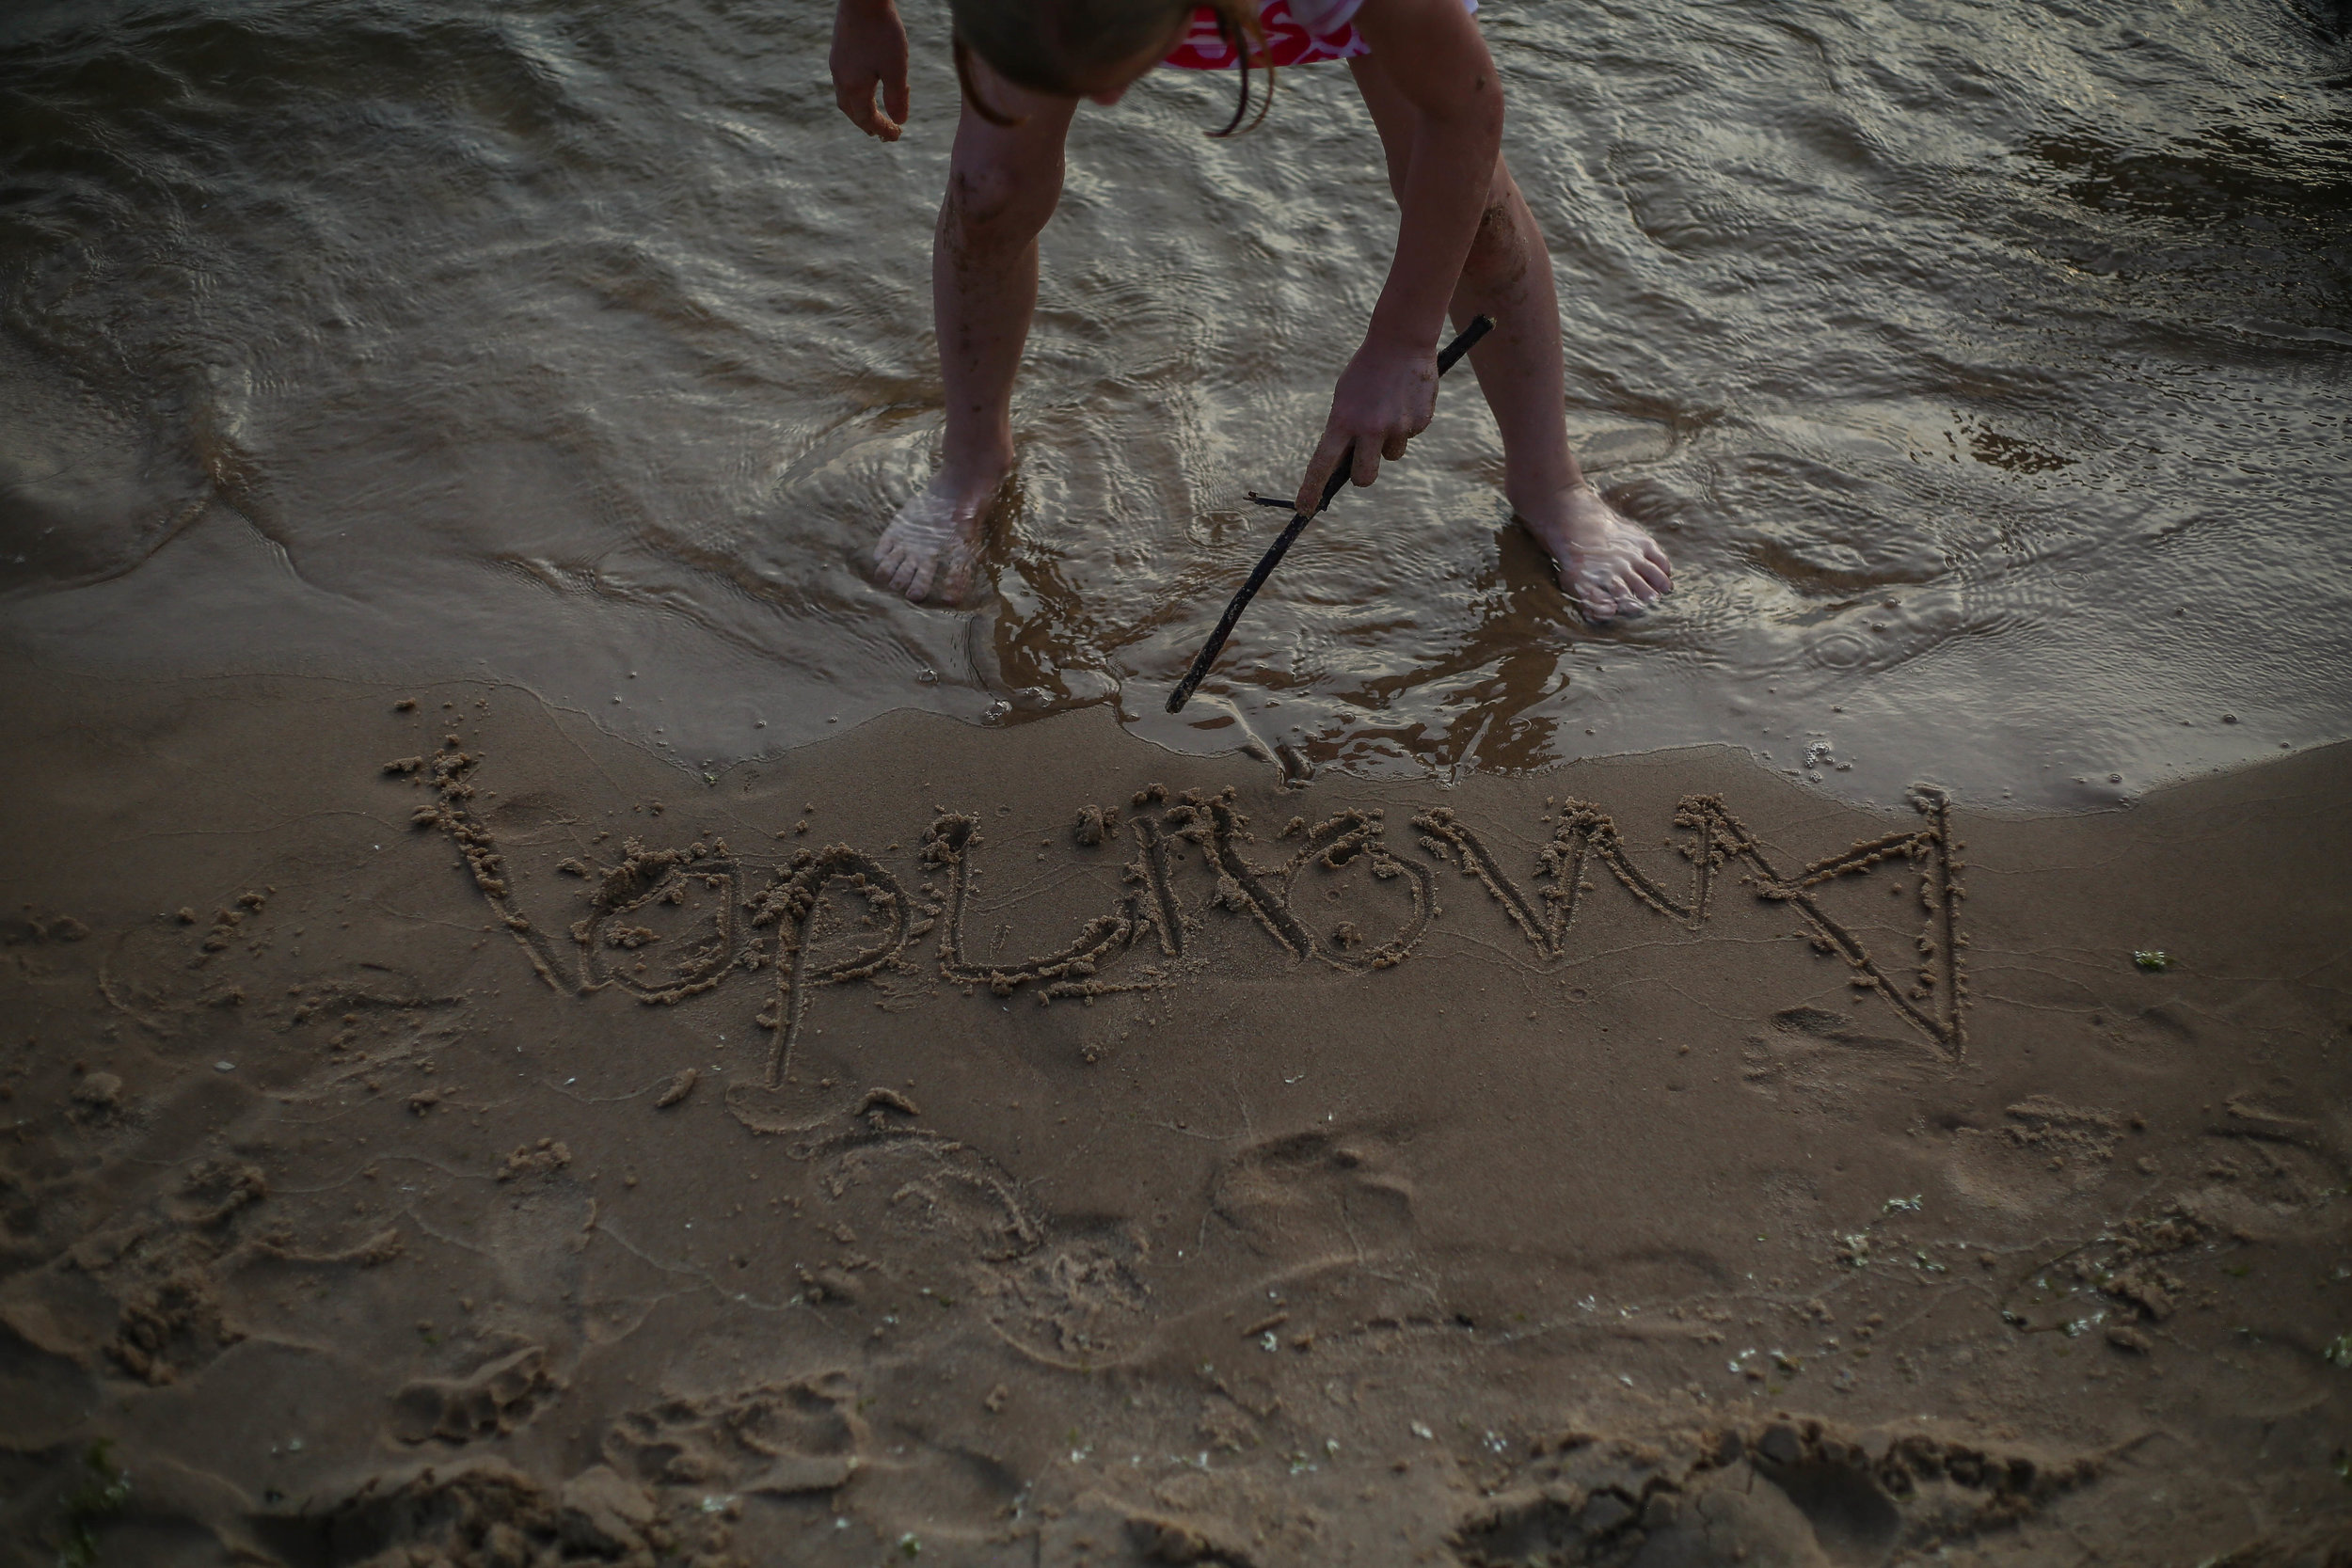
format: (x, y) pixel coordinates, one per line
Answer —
(1023, 1145)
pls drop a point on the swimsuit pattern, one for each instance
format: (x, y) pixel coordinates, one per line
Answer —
(1290, 39)
(1298, 32)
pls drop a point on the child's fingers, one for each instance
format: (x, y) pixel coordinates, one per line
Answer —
(1367, 463)
(894, 100)
(858, 104)
(1327, 458)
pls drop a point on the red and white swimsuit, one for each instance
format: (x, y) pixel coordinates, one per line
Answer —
(1298, 32)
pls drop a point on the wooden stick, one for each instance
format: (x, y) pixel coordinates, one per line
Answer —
(1272, 557)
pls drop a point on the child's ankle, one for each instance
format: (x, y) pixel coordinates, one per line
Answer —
(980, 471)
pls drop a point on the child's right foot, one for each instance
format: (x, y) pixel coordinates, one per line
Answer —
(934, 543)
(1609, 567)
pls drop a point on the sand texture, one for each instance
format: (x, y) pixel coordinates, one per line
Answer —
(439, 1134)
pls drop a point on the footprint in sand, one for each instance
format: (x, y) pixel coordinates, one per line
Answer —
(142, 1295)
(1795, 1494)
(1063, 1290)
(2158, 1038)
(2042, 1150)
(777, 1439)
(803, 1439)
(1831, 1061)
(1310, 1201)
(485, 1510)
(492, 1400)
(1076, 1301)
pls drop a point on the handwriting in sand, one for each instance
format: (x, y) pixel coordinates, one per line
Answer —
(847, 895)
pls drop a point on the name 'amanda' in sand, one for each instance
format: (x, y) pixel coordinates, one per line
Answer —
(725, 927)
(1466, 244)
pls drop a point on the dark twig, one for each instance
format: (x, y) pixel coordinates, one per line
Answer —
(1272, 557)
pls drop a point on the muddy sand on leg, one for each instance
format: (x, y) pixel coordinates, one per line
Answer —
(439, 1134)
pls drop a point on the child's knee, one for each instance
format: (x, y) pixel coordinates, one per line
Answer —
(1002, 202)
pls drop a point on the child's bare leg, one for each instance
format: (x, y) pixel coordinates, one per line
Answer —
(1003, 182)
(1608, 566)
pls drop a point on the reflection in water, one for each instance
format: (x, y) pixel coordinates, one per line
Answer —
(1982, 367)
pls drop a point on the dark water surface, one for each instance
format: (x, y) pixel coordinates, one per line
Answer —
(1984, 366)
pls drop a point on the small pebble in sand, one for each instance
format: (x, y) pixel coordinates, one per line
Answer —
(224, 1067)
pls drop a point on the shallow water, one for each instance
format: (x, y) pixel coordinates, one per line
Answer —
(1983, 366)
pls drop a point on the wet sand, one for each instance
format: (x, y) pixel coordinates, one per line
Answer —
(1030, 1145)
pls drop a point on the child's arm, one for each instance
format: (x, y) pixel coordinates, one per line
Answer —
(1432, 52)
(869, 50)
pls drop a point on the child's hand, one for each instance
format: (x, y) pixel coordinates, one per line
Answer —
(1385, 398)
(869, 50)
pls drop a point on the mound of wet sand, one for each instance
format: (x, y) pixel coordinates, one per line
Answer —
(440, 1134)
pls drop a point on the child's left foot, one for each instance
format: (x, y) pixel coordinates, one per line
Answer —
(1609, 569)
(934, 542)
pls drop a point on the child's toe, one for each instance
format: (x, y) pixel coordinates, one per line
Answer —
(1597, 602)
(1633, 592)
